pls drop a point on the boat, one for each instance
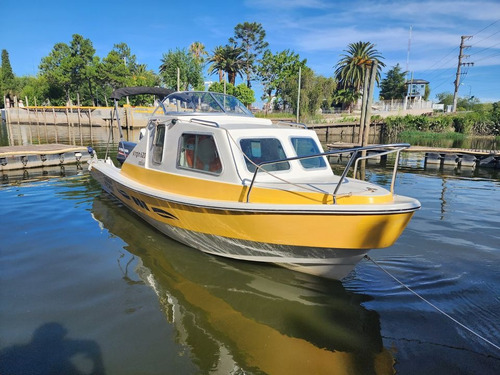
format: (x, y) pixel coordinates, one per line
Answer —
(210, 175)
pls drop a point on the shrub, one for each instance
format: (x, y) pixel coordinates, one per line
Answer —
(462, 124)
(440, 124)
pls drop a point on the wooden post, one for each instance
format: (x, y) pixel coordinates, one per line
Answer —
(79, 119)
(179, 80)
(366, 112)
(45, 123)
(363, 107)
(36, 112)
(90, 124)
(16, 104)
(373, 74)
(55, 124)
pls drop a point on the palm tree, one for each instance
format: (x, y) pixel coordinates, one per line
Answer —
(345, 97)
(227, 59)
(217, 62)
(197, 50)
(350, 70)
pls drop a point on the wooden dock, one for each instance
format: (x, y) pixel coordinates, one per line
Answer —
(32, 156)
(445, 156)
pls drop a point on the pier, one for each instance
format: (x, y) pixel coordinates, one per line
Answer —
(33, 156)
(445, 156)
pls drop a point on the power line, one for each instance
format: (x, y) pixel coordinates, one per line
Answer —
(491, 24)
(488, 37)
(489, 57)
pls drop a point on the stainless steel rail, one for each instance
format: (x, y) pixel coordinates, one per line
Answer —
(355, 151)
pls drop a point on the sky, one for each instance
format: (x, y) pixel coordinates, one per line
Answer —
(423, 37)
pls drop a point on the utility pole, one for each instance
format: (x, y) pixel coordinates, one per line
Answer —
(459, 67)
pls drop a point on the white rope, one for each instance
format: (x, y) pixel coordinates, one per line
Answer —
(432, 305)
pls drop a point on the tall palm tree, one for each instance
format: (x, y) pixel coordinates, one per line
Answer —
(217, 62)
(350, 70)
(227, 59)
(197, 50)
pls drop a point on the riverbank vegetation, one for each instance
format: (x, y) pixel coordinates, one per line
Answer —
(482, 120)
(72, 73)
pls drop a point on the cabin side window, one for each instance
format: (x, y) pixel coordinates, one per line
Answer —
(306, 147)
(158, 143)
(259, 150)
(199, 152)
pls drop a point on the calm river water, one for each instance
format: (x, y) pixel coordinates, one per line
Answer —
(86, 287)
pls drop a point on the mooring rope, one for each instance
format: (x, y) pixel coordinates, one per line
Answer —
(432, 305)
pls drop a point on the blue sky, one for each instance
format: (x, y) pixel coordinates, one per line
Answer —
(318, 30)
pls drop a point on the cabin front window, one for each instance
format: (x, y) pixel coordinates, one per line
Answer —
(199, 152)
(158, 144)
(306, 147)
(260, 150)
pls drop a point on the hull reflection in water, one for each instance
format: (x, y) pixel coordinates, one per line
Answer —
(237, 317)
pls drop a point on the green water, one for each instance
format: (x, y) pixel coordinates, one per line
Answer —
(87, 287)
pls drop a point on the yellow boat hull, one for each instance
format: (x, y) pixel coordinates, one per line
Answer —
(306, 238)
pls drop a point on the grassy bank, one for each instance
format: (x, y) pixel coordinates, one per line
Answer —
(448, 139)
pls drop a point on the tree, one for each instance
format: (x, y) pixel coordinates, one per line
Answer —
(445, 98)
(315, 92)
(69, 67)
(125, 53)
(222, 88)
(36, 89)
(350, 70)
(495, 113)
(7, 78)
(82, 63)
(275, 69)
(250, 36)
(197, 50)
(463, 104)
(346, 97)
(141, 76)
(189, 70)
(427, 92)
(242, 92)
(245, 94)
(113, 71)
(227, 59)
(393, 85)
(55, 68)
(217, 62)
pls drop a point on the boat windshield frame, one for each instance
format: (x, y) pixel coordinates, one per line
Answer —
(206, 102)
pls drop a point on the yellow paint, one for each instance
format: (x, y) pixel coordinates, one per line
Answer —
(206, 189)
(261, 346)
(312, 230)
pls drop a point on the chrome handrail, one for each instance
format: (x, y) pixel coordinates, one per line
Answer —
(396, 147)
(205, 122)
(291, 123)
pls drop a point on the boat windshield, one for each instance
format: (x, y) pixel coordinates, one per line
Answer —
(204, 102)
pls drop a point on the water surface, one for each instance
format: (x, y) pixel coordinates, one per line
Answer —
(85, 285)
